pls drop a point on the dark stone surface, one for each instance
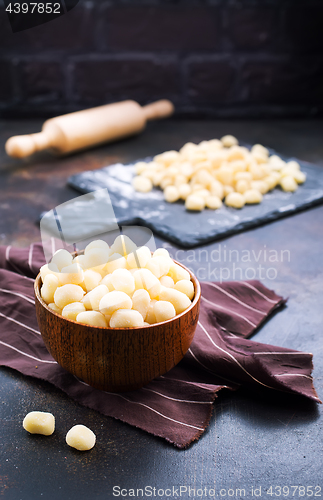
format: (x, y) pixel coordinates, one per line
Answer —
(255, 439)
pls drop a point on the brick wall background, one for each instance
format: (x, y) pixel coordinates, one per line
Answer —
(225, 58)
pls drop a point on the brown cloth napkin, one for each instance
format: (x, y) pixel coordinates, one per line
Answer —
(178, 405)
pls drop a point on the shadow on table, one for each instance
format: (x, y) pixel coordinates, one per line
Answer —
(267, 408)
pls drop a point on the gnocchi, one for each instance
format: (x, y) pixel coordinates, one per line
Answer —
(62, 258)
(123, 281)
(288, 183)
(195, 203)
(71, 274)
(72, 310)
(185, 286)
(91, 279)
(179, 300)
(164, 310)
(66, 294)
(92, 318)
(142, 184)
(171, 194)
(81, 438)
(49, 287)
(39, 422)
(146, 288)
(204, 175)
(126, 318)
(252, 196)
(235, 200)
(113, 301)
(141, 302)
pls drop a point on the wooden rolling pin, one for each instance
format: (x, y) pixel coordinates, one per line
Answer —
(83, 129)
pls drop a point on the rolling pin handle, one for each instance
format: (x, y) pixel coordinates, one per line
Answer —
(158, 109)
(20, 146)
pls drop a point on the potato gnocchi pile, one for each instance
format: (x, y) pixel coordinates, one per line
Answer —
(121, 286)
(205, 174)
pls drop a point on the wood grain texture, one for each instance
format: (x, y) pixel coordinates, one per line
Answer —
(117, 359)
(87, 128)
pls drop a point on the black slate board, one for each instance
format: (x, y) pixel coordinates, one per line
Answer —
(189, 229)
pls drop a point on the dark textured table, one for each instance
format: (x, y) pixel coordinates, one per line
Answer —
(256, 439)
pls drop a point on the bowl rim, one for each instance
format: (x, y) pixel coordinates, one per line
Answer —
(197, 295)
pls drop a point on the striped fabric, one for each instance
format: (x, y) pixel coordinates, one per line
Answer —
(178, 405)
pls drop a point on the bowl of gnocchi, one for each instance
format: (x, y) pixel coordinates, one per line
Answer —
(118, 316)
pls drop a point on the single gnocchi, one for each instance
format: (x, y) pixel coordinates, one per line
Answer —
(213, 202)
(185, 286)
(72, 310)
(150, 316)
(81, 438)
(39, 422)
(96, 257)
(96, 244)
(116, 261)
(167, 281)
(179, 300)
(123, 281)
(288, 183)
(46, 269)
(229, 140)
(195, 203)
(252, 196)
(235, 200)
(163, 310)
(142, 184)
(141, 302)
(113, 301)
(50, 285)
(184, 190)
(126, 318)
(62, 258)
(92, 318)
(177, 272)
(171, 194)
(72, 274)
(68, 293)
(138, 258)
(54, 308)
(91, 279)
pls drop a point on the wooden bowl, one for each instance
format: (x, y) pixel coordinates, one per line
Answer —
(117, 359)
